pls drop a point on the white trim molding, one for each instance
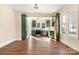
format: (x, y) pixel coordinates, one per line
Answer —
(6, 42)
(73, 43)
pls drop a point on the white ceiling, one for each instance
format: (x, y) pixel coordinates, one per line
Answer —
(43, 8)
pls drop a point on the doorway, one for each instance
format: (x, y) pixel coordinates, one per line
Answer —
(43, 28)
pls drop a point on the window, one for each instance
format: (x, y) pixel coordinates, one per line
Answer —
(33, 23)
(43, 25)
(48, 23)
(72, 22)
(38, 25)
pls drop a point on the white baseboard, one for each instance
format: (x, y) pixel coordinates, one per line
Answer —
(6, 42)
(72, 45)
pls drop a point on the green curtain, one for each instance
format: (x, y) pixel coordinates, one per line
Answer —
(48, 23)
(33, 25)
(57, 26)
(23, 25)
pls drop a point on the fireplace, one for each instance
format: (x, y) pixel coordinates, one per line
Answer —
(38, 32)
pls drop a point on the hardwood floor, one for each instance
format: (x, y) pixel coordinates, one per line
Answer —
(37, 47)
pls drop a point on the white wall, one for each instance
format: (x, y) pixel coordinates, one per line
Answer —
(39, 14)
(7, 25)
(66, 38)
(18, 25)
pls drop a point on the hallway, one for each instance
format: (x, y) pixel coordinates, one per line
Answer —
(37, 47)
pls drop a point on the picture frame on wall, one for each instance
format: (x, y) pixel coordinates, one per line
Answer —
(72, 24)
(63, 23)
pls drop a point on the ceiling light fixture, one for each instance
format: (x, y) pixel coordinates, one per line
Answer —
(35, 6)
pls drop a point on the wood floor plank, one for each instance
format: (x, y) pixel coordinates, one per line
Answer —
(37, 47)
